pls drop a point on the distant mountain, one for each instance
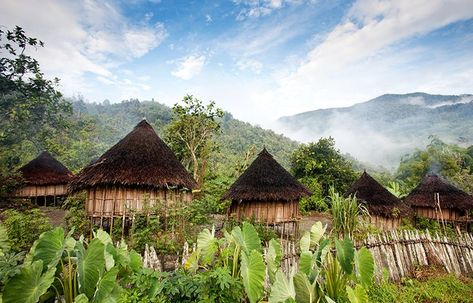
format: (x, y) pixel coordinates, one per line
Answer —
(383, 129)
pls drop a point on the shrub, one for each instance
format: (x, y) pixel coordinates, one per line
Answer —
(76, 217)
(346, 214)
(24, 228)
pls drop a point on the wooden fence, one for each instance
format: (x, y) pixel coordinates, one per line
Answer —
(402, 251)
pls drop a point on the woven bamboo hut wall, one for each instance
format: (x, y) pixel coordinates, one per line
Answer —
(45, 179)
(135, 175)
(435, 198)
(265, 192)
(386, 210)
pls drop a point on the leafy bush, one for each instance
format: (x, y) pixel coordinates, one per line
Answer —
(316, 201)
(24, 228)
(76, 217)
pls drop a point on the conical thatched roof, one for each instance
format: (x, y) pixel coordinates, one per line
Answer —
(378, 199)
(141, 158)
(450, 196)
(45, 170)
(266, 180)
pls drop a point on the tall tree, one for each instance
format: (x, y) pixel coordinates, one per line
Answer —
(323, 162)
(191, 131)
(31, 106)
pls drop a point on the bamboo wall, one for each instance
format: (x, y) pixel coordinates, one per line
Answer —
(121, 201)
(265, 212)
(447, 214)
(31, 191)
(384, 223)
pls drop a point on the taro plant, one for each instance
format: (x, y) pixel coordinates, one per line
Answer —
(329, 271)
(63, 269)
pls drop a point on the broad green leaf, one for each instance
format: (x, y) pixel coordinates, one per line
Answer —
(103, 236)
(306, 262)
(29, 285)
(4, 241)
(273, 258)
(207, 244)
(358, 295)
(364, 264)
(329, 300)
(322, 251)
(90, 266)
(252, 273)
(109, 254)
(247, 237)
(345, 254)
(105, 285)
(135, 261)
(282, 289)
(192, 262)
(317, 231)
(305, 291)
(81, 299)
(49, 247)
(304, 243)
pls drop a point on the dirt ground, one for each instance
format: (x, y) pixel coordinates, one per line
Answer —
(307, 221)
(54, 214)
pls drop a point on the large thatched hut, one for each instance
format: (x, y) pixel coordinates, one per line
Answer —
(137, 174)
(265, 192)
(386, 210)
(45, 180)
(435, 198)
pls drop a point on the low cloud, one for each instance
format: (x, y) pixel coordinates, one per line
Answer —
(189, 67)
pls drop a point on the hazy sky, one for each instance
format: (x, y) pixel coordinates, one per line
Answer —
(257, 59)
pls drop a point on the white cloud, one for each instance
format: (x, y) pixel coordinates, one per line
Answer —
(189, 67)
(81, 37)
(357, 59)
(250, 64)
(260, 8)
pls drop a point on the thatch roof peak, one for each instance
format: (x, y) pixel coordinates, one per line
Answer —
(378, 199)
(45, 170)
(266, 180)
(141, 158)
(450, 196)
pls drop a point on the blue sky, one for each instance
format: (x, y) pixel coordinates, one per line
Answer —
(257, 59)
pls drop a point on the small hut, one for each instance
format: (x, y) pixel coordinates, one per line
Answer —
(137, 174)
(266, 192)
(386, 210)
(435, 198)
(45, 180)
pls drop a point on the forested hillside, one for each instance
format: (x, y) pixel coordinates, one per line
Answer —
(101, 125)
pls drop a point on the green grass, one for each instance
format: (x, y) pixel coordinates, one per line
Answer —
(442, 289)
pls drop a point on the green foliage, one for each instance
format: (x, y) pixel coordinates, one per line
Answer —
(32, 108)
(317, 200)
(24, 228)
(442, 289)
(76, 217)
(347, 214)
(191, 132)
(323, 162)
(85, 272)
(450, 161)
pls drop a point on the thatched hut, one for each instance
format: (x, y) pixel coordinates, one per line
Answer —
(386, 210)
(45, 180)
(134, 176)
(435, 198)
(265, 192)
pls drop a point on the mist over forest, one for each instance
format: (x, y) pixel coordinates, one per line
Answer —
(382, 130)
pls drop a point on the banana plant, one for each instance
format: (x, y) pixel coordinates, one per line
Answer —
(69, 270)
